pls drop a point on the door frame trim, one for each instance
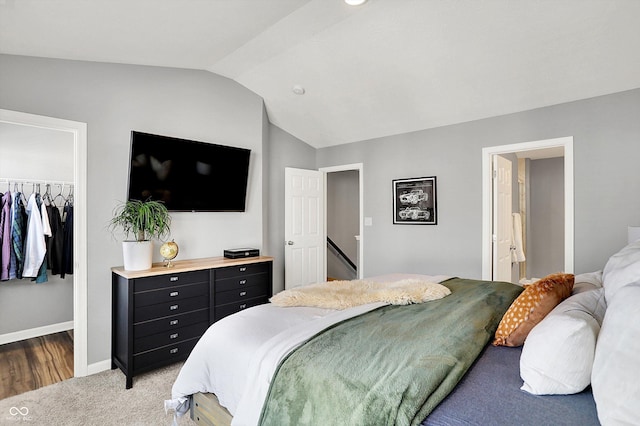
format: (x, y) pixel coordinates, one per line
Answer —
(487, 197)
(80, 293)
(358, 167)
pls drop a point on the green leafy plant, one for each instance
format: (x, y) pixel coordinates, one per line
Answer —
(143, 219)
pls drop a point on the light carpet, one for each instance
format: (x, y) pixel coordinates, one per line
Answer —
(99, 399)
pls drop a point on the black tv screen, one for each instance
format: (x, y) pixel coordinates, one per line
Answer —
(188, 175)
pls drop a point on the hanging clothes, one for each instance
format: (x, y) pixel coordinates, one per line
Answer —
(35, 247)
(67, 244)
(12, 255)
(46, 227)
(18, 231)
(34, 240)
(55, 242)
(5, 236)
(46, 230)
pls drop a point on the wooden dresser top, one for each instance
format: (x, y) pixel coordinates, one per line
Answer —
(160, 268)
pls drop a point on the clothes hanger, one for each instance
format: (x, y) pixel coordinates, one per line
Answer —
(24, 197)
(59, 195)
(46, 198)
(69, 201)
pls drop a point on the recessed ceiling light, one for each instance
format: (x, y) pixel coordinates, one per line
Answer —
(298, 90)
(355, 2)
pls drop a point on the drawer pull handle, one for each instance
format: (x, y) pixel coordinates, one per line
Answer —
(243, 293)
(173, 294)
(173, 322)
(173, 307)
(172, 279)
(173, 336)
(173, 351)
(242, 282)
(242, 269)
(244, 305)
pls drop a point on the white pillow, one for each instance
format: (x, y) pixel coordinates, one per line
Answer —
(587, 281)
(621, 269)
(615, 379)
(558, 353)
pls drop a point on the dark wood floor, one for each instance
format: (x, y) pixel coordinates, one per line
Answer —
(34, 363)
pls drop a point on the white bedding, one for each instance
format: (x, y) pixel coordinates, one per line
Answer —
(237, 356)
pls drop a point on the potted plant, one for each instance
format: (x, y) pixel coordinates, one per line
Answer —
(144, 220)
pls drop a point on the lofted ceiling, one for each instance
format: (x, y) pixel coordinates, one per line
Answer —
(384, 68)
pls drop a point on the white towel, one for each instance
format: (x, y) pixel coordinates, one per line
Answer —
(517, 251)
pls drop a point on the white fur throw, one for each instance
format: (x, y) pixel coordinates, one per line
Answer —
(347, 294)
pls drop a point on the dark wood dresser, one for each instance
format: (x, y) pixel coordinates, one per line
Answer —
(159, 314)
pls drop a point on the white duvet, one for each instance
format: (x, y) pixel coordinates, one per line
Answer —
(237, 356)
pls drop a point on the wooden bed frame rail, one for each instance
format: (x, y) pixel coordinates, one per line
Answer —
(207, 411)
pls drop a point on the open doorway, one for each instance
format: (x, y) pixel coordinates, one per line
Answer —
(77, 137)
(342, 225)
(343, 217)
(544, 209)
(306, 246)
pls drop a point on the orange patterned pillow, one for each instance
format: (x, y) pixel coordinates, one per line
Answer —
(533, 304)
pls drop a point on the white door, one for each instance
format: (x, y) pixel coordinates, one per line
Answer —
(304, 227)
(502, 221)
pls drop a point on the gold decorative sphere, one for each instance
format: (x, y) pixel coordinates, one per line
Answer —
(169, 251)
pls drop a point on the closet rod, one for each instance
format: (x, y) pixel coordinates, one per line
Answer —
(41, 181)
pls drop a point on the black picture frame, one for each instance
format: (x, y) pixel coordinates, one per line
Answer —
(414, 201)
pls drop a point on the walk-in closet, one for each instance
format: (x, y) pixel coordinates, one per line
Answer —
(36, 232)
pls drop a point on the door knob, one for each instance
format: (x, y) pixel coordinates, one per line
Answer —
(289, 243)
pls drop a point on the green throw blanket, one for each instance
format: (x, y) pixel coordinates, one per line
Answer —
(390, 366)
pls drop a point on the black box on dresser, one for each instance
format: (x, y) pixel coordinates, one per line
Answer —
(159, 314)
(238, 253)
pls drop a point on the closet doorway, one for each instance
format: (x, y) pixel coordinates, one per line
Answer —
(75, 133)
(560, 149)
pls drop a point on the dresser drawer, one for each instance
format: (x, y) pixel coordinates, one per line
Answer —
(168, 294)
(146, 313)
(163, 356)
(237, 283)
(169, 337)
(231, 308)
(241, 294)
(170, 280)
(240, 270)
(169, 323)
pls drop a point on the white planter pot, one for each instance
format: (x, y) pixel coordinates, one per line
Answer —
(138, 255)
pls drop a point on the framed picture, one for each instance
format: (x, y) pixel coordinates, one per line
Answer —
(414, 201)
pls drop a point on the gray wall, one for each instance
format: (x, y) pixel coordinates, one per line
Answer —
(605, 129)
(545, 243)
(115, 99)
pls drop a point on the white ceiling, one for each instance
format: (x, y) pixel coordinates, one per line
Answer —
(384, 68)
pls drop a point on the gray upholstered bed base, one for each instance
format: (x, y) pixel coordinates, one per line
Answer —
(490, 394)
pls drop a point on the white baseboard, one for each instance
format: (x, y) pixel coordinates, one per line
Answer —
(99, 366)
(16, 336)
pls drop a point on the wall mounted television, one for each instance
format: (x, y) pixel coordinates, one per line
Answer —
(188, 175)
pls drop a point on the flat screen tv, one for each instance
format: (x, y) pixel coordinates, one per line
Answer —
(188, 175)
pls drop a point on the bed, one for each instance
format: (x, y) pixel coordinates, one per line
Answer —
(303, 365)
